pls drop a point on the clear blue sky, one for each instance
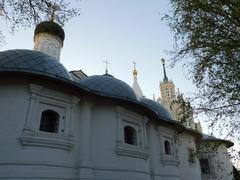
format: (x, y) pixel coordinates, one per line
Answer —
(119, 32)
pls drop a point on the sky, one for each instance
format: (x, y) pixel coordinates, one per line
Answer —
(120, 32)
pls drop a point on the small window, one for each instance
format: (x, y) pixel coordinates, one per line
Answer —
(191, 157)
(130, 135)
(205, 168)
(167, 147)
(49, 121)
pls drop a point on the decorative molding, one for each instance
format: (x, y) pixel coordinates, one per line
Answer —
(35, 88)
(42, 98)
(127, 118)
(43, 139)
(131, 151)
(39, 163)
(169, 160)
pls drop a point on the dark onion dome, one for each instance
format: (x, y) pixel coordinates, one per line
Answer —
(161, 111)
(207, 138)
(109, 86)
(51, 28)
(36, 62)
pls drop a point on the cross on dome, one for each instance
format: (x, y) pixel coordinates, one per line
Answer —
(106, 63)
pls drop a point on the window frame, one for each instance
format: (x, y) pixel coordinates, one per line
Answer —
(129, 118)
(165, 134)
(41, 99)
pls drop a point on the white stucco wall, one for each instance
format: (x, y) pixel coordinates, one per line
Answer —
(220, 165)
(90, 142)
(187, 169)
(28, 161)
(105, 141)
(163, 167)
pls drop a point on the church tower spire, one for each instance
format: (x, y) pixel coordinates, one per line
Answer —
(136, 88)
(167, 87)
(165, 78)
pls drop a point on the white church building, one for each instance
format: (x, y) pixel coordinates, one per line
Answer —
(60, 125)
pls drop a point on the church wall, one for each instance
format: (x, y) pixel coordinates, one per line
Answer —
(92, 144)
(111, 157)
(188, 162)
(163, 167)
(220, 166)
(25, 152)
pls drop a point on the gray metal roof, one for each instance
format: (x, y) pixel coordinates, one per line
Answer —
(33, 62)
(162, 112)
(206, 137)
(108, 85)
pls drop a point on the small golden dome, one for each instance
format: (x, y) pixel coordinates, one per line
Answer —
(135, 72)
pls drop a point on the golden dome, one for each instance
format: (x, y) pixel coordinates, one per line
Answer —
(135, 72)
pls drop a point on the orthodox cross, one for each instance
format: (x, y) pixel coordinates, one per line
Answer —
(106, 63)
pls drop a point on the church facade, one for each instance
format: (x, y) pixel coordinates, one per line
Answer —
(63, 125)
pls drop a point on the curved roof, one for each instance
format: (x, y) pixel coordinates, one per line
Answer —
(208, 138)
(51, 28)
(161, 111)
(109, 86)
(32, 62)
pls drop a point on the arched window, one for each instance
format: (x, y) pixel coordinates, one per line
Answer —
(49, 121)
(167, 147)
(130, 135)
(205, 167)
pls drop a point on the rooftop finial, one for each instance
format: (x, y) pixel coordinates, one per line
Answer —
(134, 69)
(165, 79)
(53, 8)
(136, 88)
(106, 63)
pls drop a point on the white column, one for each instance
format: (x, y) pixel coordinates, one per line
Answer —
(85, 164)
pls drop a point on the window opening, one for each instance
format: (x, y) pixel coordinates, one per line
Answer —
(191, 157)
(205, 168)
(130, 135)
(167, 147)
(49, 121)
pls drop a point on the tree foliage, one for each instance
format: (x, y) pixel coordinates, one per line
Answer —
(182, 110)
(207, 35)
(24, 13)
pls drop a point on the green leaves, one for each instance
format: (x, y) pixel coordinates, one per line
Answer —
(25, 13)
(209, 33)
